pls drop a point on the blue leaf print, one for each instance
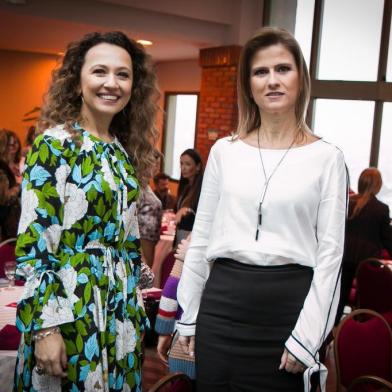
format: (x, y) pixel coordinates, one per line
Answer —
(39, 175)
(42, 212)
(119, 381)
(84, 372)
(96, 219)
(80, 241)
(91, 347)
(38, 227)
(94, 235)
(74, 388)
(73, 359)
(41, 244)
(43, 286)
(131, 361)
(82, 278)
(87, 178)
(77, 174)
(54, 220)
(55, 151)
(109, 230)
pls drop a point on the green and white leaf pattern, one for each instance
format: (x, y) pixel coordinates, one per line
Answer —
(79, 251)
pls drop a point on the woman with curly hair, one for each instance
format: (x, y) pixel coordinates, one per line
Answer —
(78, 248)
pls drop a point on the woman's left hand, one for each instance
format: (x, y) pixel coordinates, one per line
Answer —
(289, 363)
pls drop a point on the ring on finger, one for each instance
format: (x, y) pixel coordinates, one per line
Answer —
(39, 370)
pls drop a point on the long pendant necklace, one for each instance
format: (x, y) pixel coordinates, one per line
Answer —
(267, 181)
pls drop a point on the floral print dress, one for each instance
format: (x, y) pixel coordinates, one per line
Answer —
(79, 251)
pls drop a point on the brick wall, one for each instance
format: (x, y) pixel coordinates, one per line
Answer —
(217, 112)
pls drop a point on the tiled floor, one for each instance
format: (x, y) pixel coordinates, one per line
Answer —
(154, 369)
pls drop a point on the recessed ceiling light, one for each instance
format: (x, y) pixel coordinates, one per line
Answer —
(144, 42)
(60, 53)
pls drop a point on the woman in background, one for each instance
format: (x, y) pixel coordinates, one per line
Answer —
(14, 154)
(78, 248)
(368, 230)
(188, 192)
(9, 194)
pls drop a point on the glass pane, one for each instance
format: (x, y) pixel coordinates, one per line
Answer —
(180, 130)
(304, 26)
(385, 156)
(389, 65)
(350, 39)
(348, 125)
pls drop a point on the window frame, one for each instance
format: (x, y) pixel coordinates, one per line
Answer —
(167, 94)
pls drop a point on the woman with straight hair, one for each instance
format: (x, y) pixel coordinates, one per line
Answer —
(188, 193)
(81, 314)
(260, 282)
(368, 229)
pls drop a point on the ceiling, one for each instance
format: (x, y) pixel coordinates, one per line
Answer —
(178, 28)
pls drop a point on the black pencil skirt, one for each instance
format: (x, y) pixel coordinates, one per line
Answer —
(246, 315)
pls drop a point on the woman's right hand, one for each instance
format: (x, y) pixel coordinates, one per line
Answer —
(50, 355)
(163, 347)
(187, 344)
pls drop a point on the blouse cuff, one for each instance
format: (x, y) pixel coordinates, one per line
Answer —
(186, 329)
(299, 351)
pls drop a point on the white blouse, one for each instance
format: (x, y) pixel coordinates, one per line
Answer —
(303, 219)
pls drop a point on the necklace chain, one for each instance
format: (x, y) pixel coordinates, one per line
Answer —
(267, 180)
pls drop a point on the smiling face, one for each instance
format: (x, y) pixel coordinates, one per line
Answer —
(105, 81)
(189, 167)
(274, 80)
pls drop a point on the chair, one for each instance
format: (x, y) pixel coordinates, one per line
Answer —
(175, 382)
(7, 253)
(374, 286)
(370, 384)
(363, 347)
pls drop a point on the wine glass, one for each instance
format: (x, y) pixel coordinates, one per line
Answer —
(10, 270)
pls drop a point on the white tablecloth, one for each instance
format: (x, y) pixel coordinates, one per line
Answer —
(7, 316)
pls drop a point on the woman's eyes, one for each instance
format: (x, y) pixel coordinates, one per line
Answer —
(283, 68)
(265, 71)
(102, 72)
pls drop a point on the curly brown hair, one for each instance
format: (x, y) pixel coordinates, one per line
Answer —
(134, 126)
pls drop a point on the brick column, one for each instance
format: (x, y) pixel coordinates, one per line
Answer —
(217, 112)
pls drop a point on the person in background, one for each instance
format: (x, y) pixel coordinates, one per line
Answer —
(9, 194)
(30, 136)
(14, 151)
(188, 195)
(260, 282)
(162, 191)
(168, 348)
(149, 216)
(368, 230)
(81, 315)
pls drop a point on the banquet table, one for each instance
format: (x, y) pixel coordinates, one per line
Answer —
(7, 316)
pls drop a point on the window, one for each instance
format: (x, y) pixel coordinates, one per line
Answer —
(180, 127)
(348, 44)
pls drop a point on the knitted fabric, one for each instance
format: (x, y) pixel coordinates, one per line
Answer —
(169, 311)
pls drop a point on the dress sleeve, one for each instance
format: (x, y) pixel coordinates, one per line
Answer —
(196, 268)
(318, 313)
(45, 301)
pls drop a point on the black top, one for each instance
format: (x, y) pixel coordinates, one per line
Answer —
(369, 232)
